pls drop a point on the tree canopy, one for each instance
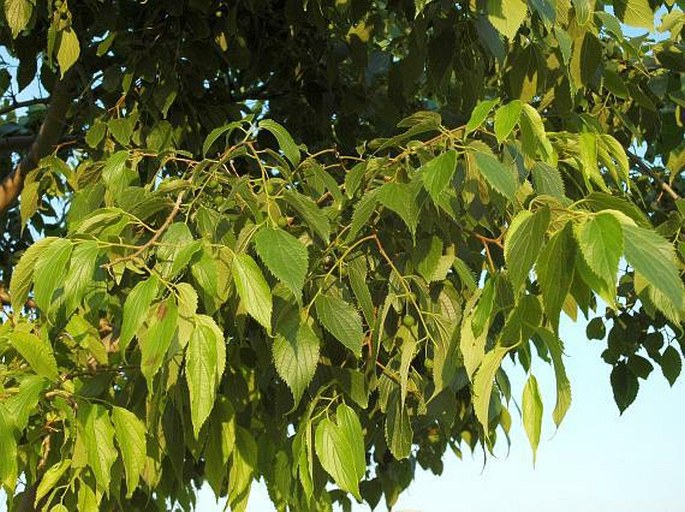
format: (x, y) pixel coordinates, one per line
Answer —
(296, 240)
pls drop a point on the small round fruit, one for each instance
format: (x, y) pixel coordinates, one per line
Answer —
(412, 297)
(218, 200)
(408, 321)
(282, 222)
(270, 188)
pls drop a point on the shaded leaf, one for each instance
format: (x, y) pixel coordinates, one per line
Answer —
(341, 320)
(523, 242)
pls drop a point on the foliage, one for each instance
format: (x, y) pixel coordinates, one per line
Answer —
(225, 289)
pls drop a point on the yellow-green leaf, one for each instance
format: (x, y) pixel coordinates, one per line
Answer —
(69, 50)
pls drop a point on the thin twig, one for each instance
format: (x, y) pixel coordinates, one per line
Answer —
(645, 169)
(155, 237)
(21, 104)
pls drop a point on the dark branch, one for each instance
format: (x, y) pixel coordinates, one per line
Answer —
(48, 136)
(645, 169)
(21, 104)
(17, 143)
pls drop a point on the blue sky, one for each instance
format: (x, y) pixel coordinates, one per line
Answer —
(596, 461)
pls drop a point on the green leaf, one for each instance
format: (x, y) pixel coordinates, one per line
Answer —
(506, 118)
(176, 249)
(69, 50)
(625, 386)
(554, 269)
(81, 272)
(402, 199)
(204, 368)
(136, 307)
(98, 435)
(532, 413)
(221, 440)
(601, 243)
(37, 353)
(296, 355)
(18, 15)
(96, 133)
(584, 10)
(51, 267)
(496, 174)
(507, 15)
(22, 275)
(51, 478)
(8, 451)
(671, 364)
(130, 431)
(426, 256)
(285, 257)
(341, 450)
(479, 114)
(398, 431)
(483, 382)
(155, 341)
(548, 180)
(654, 258)
(253, 289)
(635, 13)
(357, 272)
(618, 153)
(24, 403)
(218, 132)
(362, 213)
(121, 129)
(28, 204)
(472, 345)
(556, 350)
(285, 141)
(341, 320)
(587, 152)
(310, 212)
(438, 172)
(243, 469)
(523, 242)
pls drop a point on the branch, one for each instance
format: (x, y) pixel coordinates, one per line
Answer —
(21, 104)
(645, 169)
(17, 142)
(6, 299)
(47, 137)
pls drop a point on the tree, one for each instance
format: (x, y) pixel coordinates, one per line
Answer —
(296, 240)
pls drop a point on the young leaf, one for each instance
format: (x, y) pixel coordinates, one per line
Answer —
(532, 413)
(654, 258)
(506, 118)
(24, 403)
(51, 267)
(496, 174)
(522, 245)
(136, 307)
(97, 433)
(18, 15)
(296, 355)
(437, 173)
(37, 353)
(340, 449)
(601, 243)
(284, 256)
(253, 289)
(310, 212)
(285, 141)
(22, 276)
(130, 435)
(204, 368)
(69, 51)
(341, 320)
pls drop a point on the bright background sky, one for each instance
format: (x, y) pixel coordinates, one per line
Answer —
(596, 461)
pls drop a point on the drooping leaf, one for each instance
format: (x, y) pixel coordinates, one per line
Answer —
(554, 270)
(357, 272)
(243, 466)
(51, 477)
(402, 199)
(24, 403)
(51, 267)
(221, 441)
(8, 451)
(18, 15)
(600, 241)
(438, 172)
(130, 436)
(507, 16)
(625, 386)
(69, 50)
(162, 320)
(523, 242)
(506, 118)
(342, 320)
(38, 353)
(496, 174)
(205, 363)
(547, 180)
(654, 258)
(479, 114)
(22, 276)
(671, 364)
(340, 449)
(483, 383)
(285, 140)
(80, 276)
(635, 13)
(284, 256)
(398, 430)
(296, 355)
(310, 213)
(136, 307)
(472, 345)
(532, 413)
(97, 433)
(253, 289)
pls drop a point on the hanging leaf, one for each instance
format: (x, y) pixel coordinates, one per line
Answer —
(69, 50)
(22, 276)
(555, 348)
(162, 324)
(341, 320)
(496, 174)
(523, 242)
(671, 364)
(130, 436)
(483, 382)
(398, 431)
(253, 289)
(402, 199)
(51, 267)
(479, 114)
(136, 308)
(310, 213)
(635, 13)
(37, 353)
(284, 256)
(506, 118)
(532, 413)
(18, 14)
(438, 172)
(8, 451)
(507, 16)
(97, 433)
(285, 141)
(554, 269)
(625, 386)
(600, 241)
